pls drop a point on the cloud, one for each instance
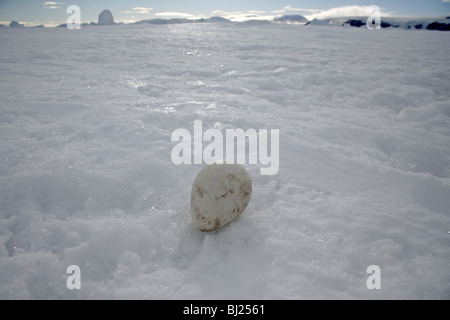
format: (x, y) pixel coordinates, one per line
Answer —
(445, 1)
(174, 14)
(139, 10)
(224, 13)
(345, 11)
(288, 10)
(239, 16)
(51, 5)
(260, 12)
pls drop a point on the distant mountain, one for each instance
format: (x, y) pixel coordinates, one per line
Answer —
(440, 24)
(255, 22)
(216, 19)
(317, 22)
(164, 21)
(182, 20)
(291, 19)
(15, 24)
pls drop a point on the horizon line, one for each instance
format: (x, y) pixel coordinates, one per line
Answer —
(51, 24)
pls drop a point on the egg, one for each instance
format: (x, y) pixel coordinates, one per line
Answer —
(220, 193)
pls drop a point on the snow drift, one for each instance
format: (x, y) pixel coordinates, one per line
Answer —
(86, 178)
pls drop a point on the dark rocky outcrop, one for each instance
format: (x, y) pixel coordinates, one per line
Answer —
(439, 26)
(105, 18)
(355, 23)
(15, 24)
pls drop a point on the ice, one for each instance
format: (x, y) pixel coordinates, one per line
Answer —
(86, 177)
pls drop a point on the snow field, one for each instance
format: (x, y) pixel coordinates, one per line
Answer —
(86, 176)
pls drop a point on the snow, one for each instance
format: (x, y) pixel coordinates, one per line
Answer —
(86, 177)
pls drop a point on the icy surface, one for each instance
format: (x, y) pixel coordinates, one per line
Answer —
(86, 176)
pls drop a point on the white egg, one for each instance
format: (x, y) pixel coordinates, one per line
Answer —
(220, 193)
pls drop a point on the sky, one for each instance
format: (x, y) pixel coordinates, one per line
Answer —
(33, 12)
